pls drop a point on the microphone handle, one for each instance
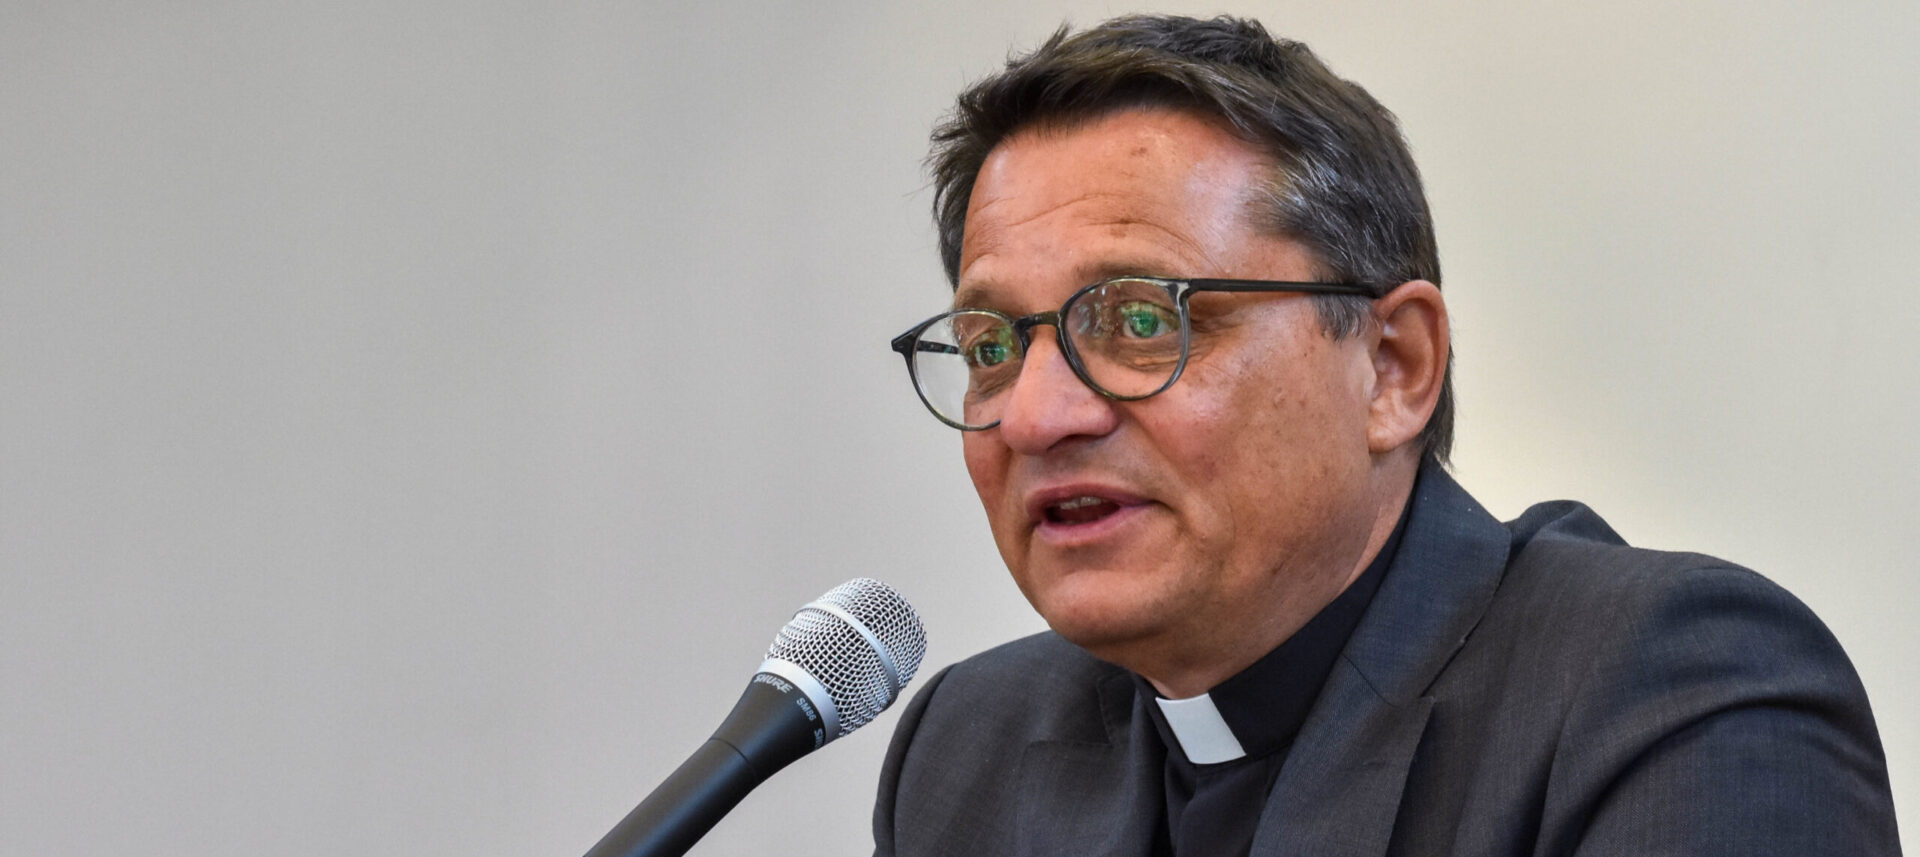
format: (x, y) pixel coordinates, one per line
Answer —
(693, 799)
(770, 727)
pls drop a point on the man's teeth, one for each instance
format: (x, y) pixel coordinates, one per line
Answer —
(1080, 510)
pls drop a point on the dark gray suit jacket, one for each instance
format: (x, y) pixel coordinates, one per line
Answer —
(1531, 688)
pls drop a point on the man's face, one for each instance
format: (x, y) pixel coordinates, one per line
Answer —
(1231, 506)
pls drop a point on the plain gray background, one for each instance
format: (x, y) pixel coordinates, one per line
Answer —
(416, 419)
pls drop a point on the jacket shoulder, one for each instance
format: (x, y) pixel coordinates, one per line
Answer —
(1623, 676)
(1575, 592)
(1569, 567)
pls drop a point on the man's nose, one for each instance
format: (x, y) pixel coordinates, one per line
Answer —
(1049, 403)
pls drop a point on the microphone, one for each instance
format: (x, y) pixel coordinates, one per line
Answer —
(836, 665)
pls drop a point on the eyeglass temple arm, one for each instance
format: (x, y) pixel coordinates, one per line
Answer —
(907, 343)
(1278, 286)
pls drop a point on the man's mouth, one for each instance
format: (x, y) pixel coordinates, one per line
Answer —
(1079, 510)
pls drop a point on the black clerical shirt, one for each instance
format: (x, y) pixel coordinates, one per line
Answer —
(1212, 810)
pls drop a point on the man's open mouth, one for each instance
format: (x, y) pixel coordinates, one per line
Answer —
(1079, 510)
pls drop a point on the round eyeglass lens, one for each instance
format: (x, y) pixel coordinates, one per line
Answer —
(963, 362)
(1128, 337)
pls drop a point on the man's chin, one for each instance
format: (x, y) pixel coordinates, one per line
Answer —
(1107, 624)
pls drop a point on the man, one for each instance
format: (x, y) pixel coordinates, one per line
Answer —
(1200, 357)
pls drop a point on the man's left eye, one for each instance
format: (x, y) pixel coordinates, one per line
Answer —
(1142, 320)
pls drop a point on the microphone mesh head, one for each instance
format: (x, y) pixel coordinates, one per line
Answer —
(839, 656)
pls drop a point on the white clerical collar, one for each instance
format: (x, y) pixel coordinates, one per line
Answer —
(1203, 734)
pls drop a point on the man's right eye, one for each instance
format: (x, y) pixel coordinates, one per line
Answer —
(988, 353)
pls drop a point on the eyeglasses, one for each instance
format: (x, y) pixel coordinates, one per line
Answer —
(1126, 338)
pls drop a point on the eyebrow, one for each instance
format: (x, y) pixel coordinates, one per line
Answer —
(973, 296)
(1107, 269)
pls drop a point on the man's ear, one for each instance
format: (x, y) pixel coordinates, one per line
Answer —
(1410, 346)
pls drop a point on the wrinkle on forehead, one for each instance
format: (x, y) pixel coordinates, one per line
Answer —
(988, 234)
(1141, 245)
(1138, 197)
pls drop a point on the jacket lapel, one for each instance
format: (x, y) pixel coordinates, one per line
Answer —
(1097, 793)
(1339, 791)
